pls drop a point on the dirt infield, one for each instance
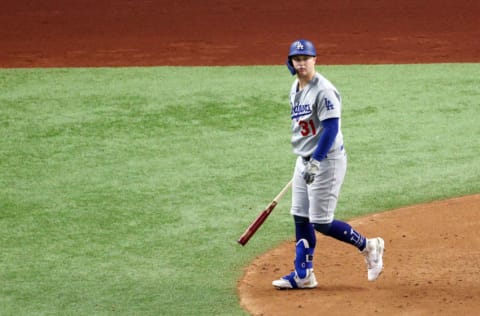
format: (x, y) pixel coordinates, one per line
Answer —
(432, 267)
(54, 33)
(432, 262)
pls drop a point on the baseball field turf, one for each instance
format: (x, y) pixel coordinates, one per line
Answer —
(124, 190)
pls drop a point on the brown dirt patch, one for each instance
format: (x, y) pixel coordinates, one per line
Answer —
(432, 266)
(432, 263)
(54, 33)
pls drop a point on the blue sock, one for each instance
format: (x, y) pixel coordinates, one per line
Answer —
(304, 230)
(344, 232)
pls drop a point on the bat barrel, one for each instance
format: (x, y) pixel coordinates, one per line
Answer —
(255, 225)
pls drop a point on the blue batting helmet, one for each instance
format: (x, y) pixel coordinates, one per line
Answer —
(299, 47)
(302, 47)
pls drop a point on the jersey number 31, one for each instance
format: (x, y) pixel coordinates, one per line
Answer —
(308, 127)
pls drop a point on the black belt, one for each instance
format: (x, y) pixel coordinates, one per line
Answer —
(307, 158)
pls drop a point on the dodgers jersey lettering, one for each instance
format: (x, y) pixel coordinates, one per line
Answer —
(318, 101)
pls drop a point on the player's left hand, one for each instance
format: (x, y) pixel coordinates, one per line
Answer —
(311, 169)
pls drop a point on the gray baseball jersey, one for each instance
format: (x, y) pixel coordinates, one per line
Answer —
(318, 101)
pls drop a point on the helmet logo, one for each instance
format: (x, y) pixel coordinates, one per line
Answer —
(299, 45)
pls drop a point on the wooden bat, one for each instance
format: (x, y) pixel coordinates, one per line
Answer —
(255, 225)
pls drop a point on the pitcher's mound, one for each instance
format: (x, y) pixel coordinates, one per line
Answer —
(432, 267)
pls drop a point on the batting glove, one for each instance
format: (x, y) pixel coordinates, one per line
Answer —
(311, 169)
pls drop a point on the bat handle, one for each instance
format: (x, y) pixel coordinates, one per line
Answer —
(284, 190)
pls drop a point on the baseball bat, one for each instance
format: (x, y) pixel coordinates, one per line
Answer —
(255, 225)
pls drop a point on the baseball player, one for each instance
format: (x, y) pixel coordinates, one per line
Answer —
(320, 168)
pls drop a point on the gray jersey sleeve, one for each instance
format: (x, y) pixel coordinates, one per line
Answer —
(329, 104)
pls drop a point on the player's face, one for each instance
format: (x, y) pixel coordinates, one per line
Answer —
(304, 65)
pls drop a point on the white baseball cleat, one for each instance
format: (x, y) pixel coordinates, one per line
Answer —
(292, 281)
(373, 253)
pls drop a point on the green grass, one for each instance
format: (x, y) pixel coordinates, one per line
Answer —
(124, 190)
